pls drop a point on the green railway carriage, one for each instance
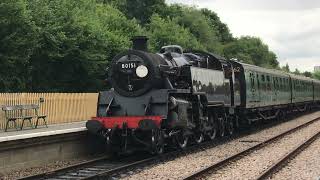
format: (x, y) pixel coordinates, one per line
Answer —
(262, 87)
(267, 94)
(316, 84)
(302, 89)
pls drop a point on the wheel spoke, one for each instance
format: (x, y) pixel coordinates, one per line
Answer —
(198, 137)
(213, 132)
(181, 140)
(158, 142)
(221, 127)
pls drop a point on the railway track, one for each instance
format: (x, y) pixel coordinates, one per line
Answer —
(286, 158)
(105, 168)
(92, 169)
(205, 173)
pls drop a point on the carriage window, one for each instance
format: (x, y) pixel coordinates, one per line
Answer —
(252, 80)
(268, 83)
(258, 81)
(300, 84)
(263, 82)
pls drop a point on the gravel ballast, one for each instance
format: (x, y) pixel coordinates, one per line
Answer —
(305, 166)
(252, 165)
(49, 167)
(183, 166)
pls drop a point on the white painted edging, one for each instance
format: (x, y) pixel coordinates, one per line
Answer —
(39, 134)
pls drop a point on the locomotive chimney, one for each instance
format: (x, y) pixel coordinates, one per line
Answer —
(140, 43)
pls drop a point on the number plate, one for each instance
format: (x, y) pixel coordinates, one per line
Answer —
(130, 65)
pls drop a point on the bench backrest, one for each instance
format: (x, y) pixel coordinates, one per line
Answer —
(21, 110)
(12, 111)
(11, 108)
(30, 106)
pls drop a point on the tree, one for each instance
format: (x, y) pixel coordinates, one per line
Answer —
(286, 68)
(166, 31)
(297, 72)
(307, 74)
(193, 20)
(222, 29)
(251, 50)
(65, 45)
(316, 75)
(79, 38)
(18, 40)
(60, 45)
(142, 10)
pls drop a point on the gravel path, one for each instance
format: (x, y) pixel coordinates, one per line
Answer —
(49, 167)
(305, 166)
(252, 165)
(182, 166)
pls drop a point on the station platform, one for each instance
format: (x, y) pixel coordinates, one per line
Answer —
(56, 129)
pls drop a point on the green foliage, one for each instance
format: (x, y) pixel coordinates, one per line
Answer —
(316, 75)
(307, 74)
(166, 31)
(251, 50)
(296, 72)
(75, 38)
(200, 27)
(286, 68)
(18, 40)
(65, 45)
(222, 29)
(142, 10)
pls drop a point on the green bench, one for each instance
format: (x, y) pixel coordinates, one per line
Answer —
(23, 113)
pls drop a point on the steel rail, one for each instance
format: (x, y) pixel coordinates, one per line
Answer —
(286, 158)
(90, 165)
(224, 162)
(107, 174)
(95, 167)
(90, 169)
(141, 163)
(64, 169)
(92, 172)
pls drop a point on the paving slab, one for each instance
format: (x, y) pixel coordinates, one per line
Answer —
(42, 131)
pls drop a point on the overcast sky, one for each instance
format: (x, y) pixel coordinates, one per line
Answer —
(291, 28)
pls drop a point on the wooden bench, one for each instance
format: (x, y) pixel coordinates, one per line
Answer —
(24, 113)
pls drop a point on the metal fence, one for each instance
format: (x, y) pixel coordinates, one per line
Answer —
(59, 107)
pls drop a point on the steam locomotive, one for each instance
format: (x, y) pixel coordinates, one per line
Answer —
(175, 98)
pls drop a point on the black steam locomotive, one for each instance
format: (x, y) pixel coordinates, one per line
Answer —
(174, 97)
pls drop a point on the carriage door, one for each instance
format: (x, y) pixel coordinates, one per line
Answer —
(253, 87)
(258, 87)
